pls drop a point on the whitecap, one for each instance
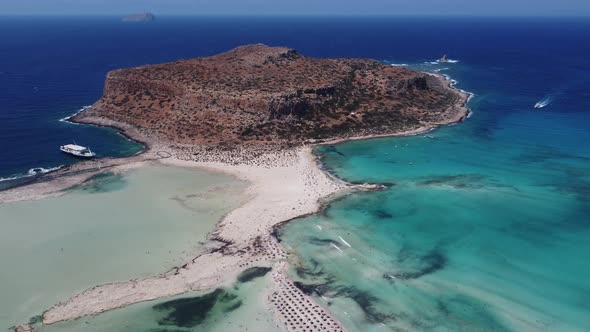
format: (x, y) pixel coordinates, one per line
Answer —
(67, 118)
(32, 172)
(41, 170)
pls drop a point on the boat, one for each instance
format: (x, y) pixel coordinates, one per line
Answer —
(77, 150)
(542, 103)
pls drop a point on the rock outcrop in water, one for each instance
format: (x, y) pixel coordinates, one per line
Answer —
(143, 17)
(271, 96)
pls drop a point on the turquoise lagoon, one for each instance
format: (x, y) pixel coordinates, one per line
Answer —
(486, 224)
(114, 228)
(485, 227)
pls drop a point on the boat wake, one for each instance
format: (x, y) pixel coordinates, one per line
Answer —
(344, 241)
(543, 103)
(438, 62)
(337, 247)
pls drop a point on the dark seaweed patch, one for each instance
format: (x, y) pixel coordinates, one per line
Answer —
(253, 273)
(320, 242)
(306, 289)
(101, 183)
(314, 271)
(317, 288)
(381, 214)
(233, 307)
(188, 312)
(332, 149)
(366, 302)
(416, 266)
(227, 297)
(461, 181)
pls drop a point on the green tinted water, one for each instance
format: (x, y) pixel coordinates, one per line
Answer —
(115, 227)
(240, 307)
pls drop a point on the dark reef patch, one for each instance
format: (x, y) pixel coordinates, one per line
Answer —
(233, 307)
(101, 183)
(314, 271)
(253, 273)
(227, 297)
(332, 149)
(320, 242)
(367, 303)
(461, 181)
(317, 288)
(381, 214)
(414, 266)
(188, 312)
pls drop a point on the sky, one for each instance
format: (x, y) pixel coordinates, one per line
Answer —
(299, 7)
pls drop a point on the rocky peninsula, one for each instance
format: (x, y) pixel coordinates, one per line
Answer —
(259, 96)
(253, 112)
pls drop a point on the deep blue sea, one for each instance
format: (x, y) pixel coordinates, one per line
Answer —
(487, 227)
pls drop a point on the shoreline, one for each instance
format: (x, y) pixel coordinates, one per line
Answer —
(243, 238)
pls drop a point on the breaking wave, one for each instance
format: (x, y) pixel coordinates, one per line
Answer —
(67, 118)
(36, 171)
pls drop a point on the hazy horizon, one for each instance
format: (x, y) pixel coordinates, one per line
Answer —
(519, 8)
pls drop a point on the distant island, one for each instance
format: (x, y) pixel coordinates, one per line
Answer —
(143, 17)
(256, 95)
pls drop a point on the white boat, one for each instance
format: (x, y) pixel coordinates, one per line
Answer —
(77, 150)
(543, 103)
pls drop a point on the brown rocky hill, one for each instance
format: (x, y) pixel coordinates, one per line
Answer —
(260, 95)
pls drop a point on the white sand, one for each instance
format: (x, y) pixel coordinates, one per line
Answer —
(282, 187)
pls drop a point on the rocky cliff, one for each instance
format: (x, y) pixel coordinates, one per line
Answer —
(260, 95)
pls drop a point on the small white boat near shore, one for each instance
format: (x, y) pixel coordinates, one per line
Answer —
(77, 150)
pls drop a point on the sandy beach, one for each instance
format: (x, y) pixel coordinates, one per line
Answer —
(283, 185)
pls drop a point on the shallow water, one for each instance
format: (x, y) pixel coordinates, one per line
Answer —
(477, 233)
(486, 224)
(238, 307)
(114, 228)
